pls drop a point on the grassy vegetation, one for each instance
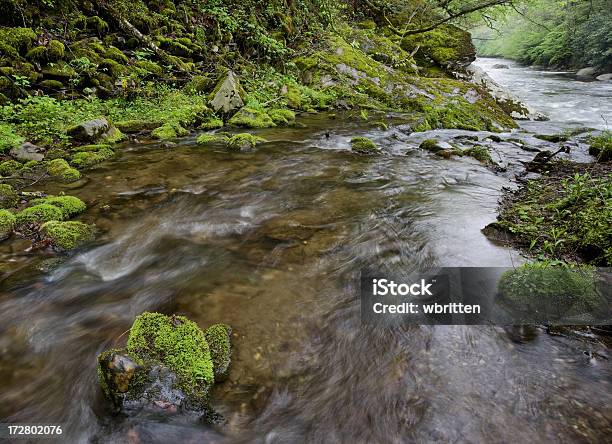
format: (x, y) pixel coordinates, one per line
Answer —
(566, 214)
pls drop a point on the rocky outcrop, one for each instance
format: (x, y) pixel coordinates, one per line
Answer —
(504, 98)
(227, 96)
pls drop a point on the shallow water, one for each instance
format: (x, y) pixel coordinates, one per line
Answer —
(272, 243)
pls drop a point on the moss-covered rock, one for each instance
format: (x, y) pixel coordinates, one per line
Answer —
(67, 235)
(38, 214)
(136, 125)
(447, 45)
(169, 361)
(69, 205)
(244, 141)
(248, 117)
(37, 54)
(169, 131)
(480, 153)
(211, 123)
(55, 50)
(228, 94)
(85, 159)
(60, 169)
(282, 116)
(52, 85)
(16, 41)
(364, 145)
(207, 139)
(10, 168)
(218, 337)
(7, 223)
(8, 196)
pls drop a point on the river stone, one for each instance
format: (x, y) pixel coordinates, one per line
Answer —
(586, 72)
(90, 131)
(435, 145)
(227, 95)
(604, 77)
(500, 66)
(28, 151)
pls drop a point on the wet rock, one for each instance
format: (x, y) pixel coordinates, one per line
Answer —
(226, 98)
(435, 145)
(604, 77)
(588, 72)
(28, 151)
(554, 138)
(94, 131)
(244, 142)
(168, 366)
(494, 138)
(500, 66)
(364, 145)
(504, 98)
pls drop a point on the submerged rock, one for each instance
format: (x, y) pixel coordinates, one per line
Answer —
(227, 95)
(169, 365)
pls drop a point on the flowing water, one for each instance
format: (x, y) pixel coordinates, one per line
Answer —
(272, 243)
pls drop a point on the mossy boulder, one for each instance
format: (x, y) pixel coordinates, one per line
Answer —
(16, 41)
(248, 117)
(211, 123)
(67, 235)
(8, 196)
(10, 168)
(282, 116)
(69, 205)
(207, 139)
(243, 142)
(85, 159)
(448, 45)
(55, 50)
(60, 169)
(480, 153)
(38, 214)
(169, 131)
(52, 85)
(364, 145)
(168, 364)
(136, 125)
(95, 131)
(7, 223)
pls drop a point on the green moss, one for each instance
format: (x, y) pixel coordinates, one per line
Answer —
(59, 70)
(14, 41)
(136, 125)
(218, 339)
(206, 139)
(69, 205)
(169, 131)
(282, 116)
(8, 196)
(178, 343)
(86, 159)
(55, 50)
(9, 139)
(10, 168)
(53, 85)
(113, 68)
(37, 54)
(363, 145)
(59, 168)
(150, 67)
(199, 84)
(211, 123)
(7, 223)
(447, 45)
(243, 141)
(251, 118)
(294, 97)
(601, 146)
(545, 288)
(67, 235)
(39, 214)
(115, 54)
(480, 153)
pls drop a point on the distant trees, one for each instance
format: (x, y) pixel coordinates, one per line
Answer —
(555, 33)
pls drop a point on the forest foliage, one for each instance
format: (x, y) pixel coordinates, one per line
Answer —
(551, 33)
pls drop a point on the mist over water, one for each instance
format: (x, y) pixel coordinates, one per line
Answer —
(272, 243)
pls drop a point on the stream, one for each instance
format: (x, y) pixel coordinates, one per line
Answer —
(272, 242)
